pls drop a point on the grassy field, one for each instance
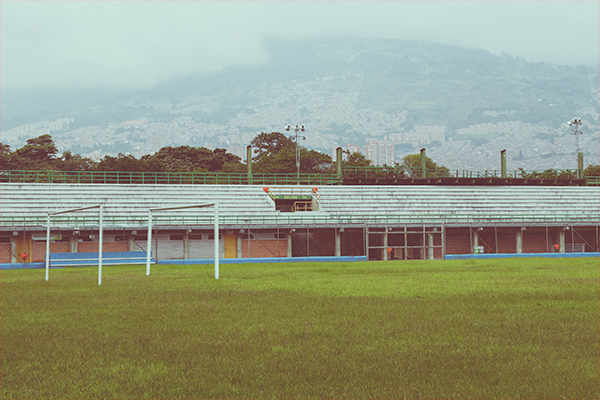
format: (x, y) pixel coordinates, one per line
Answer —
(512, 329)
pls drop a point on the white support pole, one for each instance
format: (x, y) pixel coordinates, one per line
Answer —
(216, 230)
(48, 246)
(101, 239)
(149, 246)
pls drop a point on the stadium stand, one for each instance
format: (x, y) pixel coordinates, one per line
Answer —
(381, 222)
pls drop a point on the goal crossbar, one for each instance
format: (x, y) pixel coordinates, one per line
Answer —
(216, 232)
(100, 239)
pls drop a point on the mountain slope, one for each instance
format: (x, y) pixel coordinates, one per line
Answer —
(343, 90)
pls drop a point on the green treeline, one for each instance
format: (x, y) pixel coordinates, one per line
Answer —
(273, 153)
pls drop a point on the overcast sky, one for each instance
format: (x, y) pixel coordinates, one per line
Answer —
(138, 44)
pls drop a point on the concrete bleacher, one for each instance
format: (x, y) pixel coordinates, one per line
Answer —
(508, 201)
(37, 199)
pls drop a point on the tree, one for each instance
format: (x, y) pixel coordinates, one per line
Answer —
(128, 163)
(276, 153)
(592, 170)
(221, 159)
(412, 163)
(196, 159)
(71, 162)
(38, 153)
(314, 162)
(182, 158)
(269, 144)
(355, 159)
(6, 155)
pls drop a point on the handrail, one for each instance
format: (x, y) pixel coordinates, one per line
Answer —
(302, 206)
(222, 178)
(415, 172)
(592, 181)
(290, 218)
(168, 178)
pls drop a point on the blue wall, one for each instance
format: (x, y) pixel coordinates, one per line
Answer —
(42, 265)
(266, 260)
(518, 255)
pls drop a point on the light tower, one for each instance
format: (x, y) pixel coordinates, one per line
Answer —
(577, 122)
(296, 129)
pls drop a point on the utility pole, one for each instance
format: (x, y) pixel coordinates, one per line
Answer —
(296, 129)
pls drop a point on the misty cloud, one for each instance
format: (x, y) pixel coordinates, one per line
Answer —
(139, 44)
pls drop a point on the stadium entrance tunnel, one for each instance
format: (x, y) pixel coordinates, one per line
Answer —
(294, 199)
(295, 205)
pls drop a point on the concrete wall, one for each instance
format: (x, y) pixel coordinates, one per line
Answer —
(252, 248)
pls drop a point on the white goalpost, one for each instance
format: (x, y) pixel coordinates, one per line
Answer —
(215, 227)
(100, 220)
(149, 247)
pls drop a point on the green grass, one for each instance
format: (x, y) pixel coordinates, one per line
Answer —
(453, 329)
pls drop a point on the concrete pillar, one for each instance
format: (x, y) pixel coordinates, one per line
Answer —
(520, 241)
(130, 242)
(430, 247)
(186, 244)
(385, 246)
(423, 164)
(249, 162)
(73, 243)
(338, 242)
(13, 249)
(338, 161)
(580, 165)
(239, 246)
(289, 244)
(503, 163)
(475, 241)
(561, 240)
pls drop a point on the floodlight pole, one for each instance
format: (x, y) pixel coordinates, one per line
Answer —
(576, 132)
(148, 253)
(296, 129)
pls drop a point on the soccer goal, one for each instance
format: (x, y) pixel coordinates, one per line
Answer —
(100, 233)
(215, 224)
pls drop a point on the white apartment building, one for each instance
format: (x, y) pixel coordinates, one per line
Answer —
(380, 153)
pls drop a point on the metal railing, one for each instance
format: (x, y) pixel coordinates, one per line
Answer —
(406, 172)
(592, 181)
(222, 178)
(166, 178)
(131, 221)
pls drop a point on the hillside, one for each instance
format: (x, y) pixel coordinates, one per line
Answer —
(463, 105)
